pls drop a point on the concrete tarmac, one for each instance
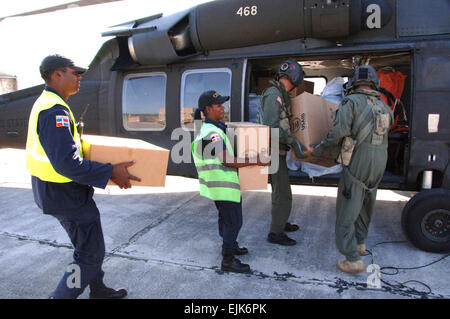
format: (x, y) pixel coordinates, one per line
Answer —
(163, 243)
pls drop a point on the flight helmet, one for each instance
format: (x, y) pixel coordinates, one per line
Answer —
(292, 70)
(363, 75)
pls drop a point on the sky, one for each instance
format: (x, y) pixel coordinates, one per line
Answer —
(74, 33)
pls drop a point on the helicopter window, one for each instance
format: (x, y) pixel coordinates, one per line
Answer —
(144, 102)
(194, 83)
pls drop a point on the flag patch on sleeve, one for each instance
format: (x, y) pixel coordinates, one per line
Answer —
(280, 100)
(62, 121)
(215, 138)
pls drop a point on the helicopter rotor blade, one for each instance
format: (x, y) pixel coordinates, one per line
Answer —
(69, 5)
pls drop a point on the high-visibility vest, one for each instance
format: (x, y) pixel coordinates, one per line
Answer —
(37, 161)
(217, 181)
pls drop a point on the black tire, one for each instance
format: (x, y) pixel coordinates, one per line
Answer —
(426, 220)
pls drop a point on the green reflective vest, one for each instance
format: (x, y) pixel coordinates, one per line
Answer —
(37, 161)
(217, 181)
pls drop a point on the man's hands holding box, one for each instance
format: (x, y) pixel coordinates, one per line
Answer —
(121, 176)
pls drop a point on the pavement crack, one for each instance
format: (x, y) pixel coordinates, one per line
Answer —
(47, 242)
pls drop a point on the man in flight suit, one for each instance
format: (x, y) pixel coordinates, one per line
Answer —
(62, 180)
(356, 118)
(275, 112)
(217, 173)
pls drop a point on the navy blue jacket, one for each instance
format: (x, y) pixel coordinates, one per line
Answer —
(59, 145)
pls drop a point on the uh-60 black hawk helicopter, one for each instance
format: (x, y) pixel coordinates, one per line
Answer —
(145, 81)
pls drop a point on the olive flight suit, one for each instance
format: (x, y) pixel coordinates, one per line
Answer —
(359, 181)
(275, 112)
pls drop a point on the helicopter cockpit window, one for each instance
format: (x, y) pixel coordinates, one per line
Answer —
(144, 102)
(194, 83)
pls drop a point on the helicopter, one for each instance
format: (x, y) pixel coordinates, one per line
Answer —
(144, 82)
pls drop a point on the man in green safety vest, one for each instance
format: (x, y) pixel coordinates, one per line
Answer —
(217, 174)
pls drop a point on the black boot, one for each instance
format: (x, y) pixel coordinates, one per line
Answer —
(100, 291)
(281, 239)
(230, 263)
(239, 251)
(291, 227)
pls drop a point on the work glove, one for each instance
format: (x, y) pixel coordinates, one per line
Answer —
(319, 148)
(298, 149)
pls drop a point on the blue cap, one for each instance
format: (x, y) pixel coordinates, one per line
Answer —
(209, 98)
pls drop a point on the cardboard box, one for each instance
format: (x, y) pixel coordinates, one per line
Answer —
(151, 160)
(250, 140)
(312, 118)
(306, 86)
(262, 84)
(253, 177)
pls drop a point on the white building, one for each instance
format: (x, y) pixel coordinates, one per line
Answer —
(8, 83)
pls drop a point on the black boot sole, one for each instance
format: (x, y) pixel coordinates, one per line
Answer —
(118, 294)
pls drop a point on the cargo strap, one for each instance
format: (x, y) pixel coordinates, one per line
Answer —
(362, 133)
(365, 131)
(358, 182)
(361, 136)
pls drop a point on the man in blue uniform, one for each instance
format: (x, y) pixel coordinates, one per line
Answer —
(62, 180)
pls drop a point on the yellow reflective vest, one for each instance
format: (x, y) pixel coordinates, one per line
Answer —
(37, 161)
(217, 181)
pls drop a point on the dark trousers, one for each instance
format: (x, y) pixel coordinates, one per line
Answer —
(85, 232)
(281, 197)
(230, 222)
